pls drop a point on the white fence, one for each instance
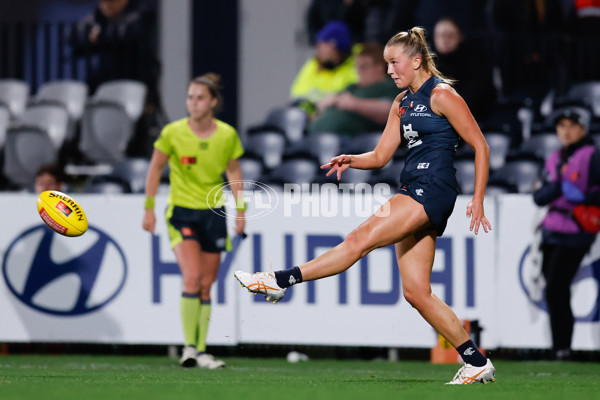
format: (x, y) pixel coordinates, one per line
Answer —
(119, 284)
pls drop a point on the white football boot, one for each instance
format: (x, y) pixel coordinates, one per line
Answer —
(469, 374)
(188, 357)
(261, 282)
(207, 361)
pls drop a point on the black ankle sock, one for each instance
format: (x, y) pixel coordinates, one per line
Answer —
(288, 277)
(471, 354)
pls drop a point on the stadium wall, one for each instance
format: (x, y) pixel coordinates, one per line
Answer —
(119, 284)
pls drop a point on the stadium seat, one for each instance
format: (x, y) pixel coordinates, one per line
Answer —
(26, 149)
(51, 118)
(109, 120)
(541, 145)
(356, 176)
(499, 188)
(252, 168)
(14, 95)
(389, 174)
(298, 170)
(322, 146)
(269, 146)
(521, 173)
(499, 144)
(587, 93)
(506, 119)
(362, 143)
(71, 94)
(465, 175)
(104, 184)
(33, 140)
(4, 122)
(133, 171)
(291, 120)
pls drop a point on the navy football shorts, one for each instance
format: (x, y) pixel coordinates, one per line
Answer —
(436, 196)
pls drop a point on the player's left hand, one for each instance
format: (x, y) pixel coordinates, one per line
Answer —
(475, 212)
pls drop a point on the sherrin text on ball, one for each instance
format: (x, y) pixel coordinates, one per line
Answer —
(62, 213)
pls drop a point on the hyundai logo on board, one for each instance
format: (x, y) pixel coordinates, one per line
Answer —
(587, 274)
(64, 276)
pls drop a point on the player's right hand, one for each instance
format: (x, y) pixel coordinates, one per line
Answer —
(338, 164)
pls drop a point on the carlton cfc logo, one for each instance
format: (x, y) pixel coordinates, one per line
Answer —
(63, 276)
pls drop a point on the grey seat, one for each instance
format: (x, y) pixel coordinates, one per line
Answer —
(269, 146)
(106, 185)
(587, 93)
(71, 94)
(299, 171)
(14, 95)
(27, 149)
(109, 120)
(362, 143)
(133, 171)
(499, 144)
(499, 188)
(4, 122)
(51, 118)
(321, 146)
(33, 140)
(389, 174)
(252, 169)
(520, 173)
(541, 144)
(291, 120)
(355, 176)
(465, 175)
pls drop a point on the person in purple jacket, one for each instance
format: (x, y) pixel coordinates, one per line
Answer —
(571, 177)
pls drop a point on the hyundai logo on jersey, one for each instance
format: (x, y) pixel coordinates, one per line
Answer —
(420, 108)
(62, 276)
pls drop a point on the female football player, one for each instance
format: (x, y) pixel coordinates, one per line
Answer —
(429, 117)
(199, 149)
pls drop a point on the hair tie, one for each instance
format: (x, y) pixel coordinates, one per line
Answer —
(409, 31)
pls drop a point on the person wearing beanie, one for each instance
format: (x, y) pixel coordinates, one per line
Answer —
(571, 183)
(331, 69)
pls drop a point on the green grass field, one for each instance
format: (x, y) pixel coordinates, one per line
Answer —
(152, 377)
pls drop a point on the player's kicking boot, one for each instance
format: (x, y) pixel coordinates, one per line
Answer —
(261, 282)
(469, 374)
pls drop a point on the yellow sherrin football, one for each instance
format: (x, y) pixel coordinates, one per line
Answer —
(62, 213)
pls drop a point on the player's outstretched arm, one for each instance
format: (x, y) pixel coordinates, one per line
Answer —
(378, 157)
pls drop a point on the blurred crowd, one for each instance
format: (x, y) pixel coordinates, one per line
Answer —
(513, 61)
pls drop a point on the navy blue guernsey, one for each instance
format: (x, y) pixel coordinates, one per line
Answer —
(430, 138)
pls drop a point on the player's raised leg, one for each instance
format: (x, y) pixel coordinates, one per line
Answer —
(395, 219)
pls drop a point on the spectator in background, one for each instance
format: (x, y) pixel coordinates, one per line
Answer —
(332, 67)
(49, 177)
(460, 61)
(351, 12)
(572, 178)
(119, 41)
(585, 25)
(363, 106)
(530, 57)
